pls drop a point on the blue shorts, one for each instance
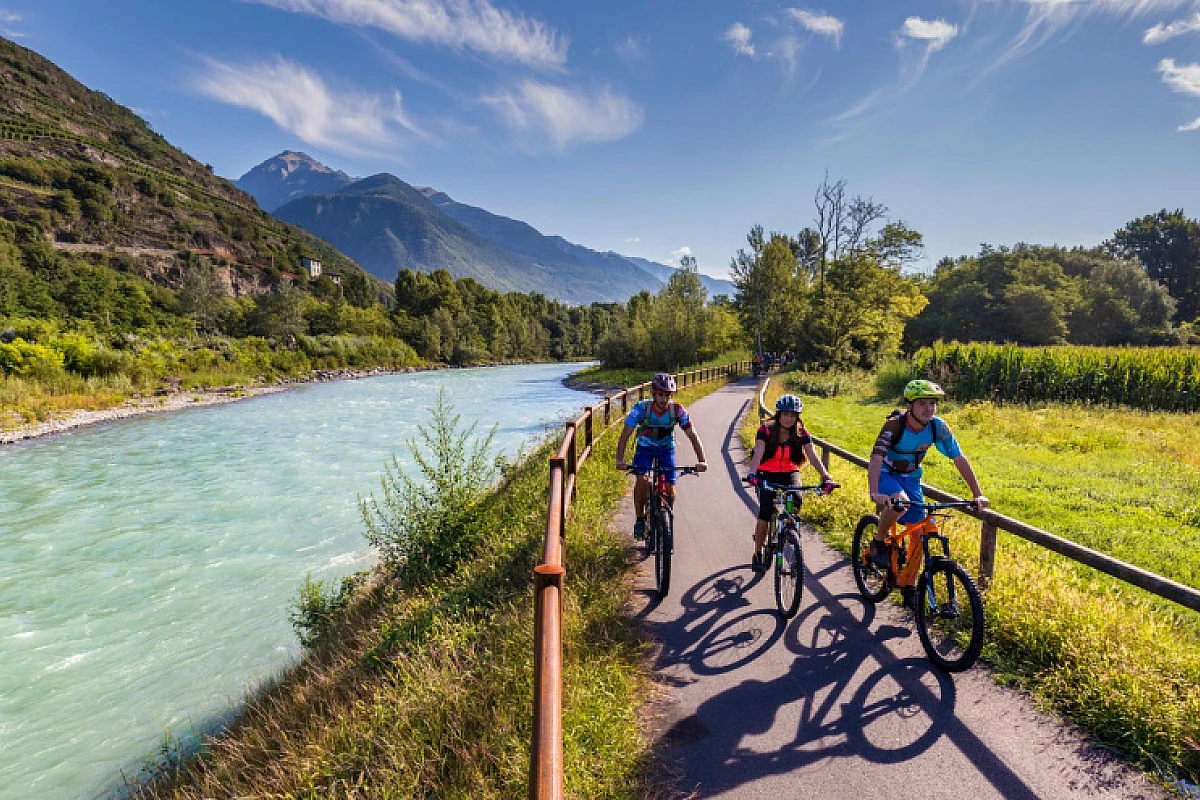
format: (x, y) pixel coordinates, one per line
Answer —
(891, 483)
(643, 459)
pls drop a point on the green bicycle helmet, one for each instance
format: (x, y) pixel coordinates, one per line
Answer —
(923, 390)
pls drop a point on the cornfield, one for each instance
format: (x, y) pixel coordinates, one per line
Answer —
(1158, 378)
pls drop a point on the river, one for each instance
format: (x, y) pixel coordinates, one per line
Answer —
(147, 565)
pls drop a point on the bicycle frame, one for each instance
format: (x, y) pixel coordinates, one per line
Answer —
(910, 549)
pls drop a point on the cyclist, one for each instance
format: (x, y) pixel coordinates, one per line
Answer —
(780, 448)
(895, 467)
(655, 420)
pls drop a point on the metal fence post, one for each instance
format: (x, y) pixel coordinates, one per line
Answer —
(987, 553)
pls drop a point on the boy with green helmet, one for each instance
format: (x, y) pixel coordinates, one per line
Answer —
(895, 468)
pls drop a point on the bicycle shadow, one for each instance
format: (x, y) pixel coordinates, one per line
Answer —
(826, 707)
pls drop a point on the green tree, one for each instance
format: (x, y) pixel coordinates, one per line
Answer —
(1168, 246)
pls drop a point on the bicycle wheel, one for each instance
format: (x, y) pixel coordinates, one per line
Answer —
(873, 582)
(662, 553)
(949, 616)
(789, 572)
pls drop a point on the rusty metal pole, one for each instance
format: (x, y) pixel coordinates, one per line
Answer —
(987, 553)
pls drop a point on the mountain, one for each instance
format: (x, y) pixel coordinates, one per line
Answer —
(714, 286)
(603, 276)
(387, 225)
(289, 175)
(85, 175)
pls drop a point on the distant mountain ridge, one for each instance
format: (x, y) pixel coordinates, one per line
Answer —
(386, 225)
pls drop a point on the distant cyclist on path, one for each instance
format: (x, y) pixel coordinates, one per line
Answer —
(655, 420)
(895, 467)
(780, 448)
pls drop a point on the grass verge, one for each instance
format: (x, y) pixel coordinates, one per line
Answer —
(1118, 661)
(630, 376)
(423, 686)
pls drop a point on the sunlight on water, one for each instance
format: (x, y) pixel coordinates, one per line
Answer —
(148, 564)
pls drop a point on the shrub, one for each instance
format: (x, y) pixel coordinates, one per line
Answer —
(317, 605)
(421, 525)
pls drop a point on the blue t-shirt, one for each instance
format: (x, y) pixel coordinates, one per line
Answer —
(654, 429)
(903, 453)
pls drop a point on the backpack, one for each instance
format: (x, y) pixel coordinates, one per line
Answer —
(896, 423)
(657, 432)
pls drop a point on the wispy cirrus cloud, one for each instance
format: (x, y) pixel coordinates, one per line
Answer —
(1184, 79)
(8, 19)
(818, 23)
(474, 25)
(740, 39)
(1045, 20)
(1161, 33)
(299, 101)
(564, 115)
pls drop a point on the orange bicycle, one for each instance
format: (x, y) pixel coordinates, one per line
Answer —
(942, 594)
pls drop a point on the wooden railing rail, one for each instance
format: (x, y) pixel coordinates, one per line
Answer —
(1165, 588)
(579, 438)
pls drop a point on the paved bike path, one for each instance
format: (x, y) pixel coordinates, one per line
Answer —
(840, 701)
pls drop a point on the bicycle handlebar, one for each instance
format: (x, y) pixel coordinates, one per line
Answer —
(899, 505)
(817, 489)
(689, 470)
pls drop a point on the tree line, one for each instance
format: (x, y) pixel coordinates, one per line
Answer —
(838, 294)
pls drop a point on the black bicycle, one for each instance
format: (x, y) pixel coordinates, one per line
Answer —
(660, 522)
(945, 600)
(783, 544)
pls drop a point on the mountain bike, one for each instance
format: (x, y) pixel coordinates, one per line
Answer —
(942, 594)
(783, 544)
(660, 522)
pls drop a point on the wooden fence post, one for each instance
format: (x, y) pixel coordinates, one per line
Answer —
(587, 426)
(987, 553)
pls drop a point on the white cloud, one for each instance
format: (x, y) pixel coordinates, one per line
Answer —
(1184, 79)
(937, 33)
(680, 252)
(567, 116)
(633, 239)
(822, 24)
(632, 51)
(1161, 33)
(739, 37)
(7, 19)
(1046, 18)
(474, 25)
(297, 100)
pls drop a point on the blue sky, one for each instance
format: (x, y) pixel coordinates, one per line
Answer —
(659, 128)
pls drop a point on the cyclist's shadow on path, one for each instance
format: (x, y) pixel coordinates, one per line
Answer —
(825, 705)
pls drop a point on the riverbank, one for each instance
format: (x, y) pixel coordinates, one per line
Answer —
(174, 399)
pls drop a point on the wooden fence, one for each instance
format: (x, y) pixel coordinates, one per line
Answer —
(546, 756)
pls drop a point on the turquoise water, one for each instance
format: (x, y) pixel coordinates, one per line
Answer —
(147, 565)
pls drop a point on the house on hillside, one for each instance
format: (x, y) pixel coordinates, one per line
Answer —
(336, 277)
(311, 265)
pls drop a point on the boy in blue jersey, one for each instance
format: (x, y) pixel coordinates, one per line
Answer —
(655, 421)
(895, 466)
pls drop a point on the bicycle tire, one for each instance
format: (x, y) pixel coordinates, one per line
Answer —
(662, 553)
(873, 583)
(789, 572)
(950, 621)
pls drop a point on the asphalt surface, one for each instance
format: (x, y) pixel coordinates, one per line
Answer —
(840, 701)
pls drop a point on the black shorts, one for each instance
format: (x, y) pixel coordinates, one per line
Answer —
(766, 497)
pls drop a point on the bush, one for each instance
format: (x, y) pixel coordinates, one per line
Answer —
(891, 378)
(422, 525)
(316, 607)
(30, 360)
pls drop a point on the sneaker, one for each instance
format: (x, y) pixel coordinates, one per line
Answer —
(881, 555)
(909, 597)
(758, 562)
(639, 529)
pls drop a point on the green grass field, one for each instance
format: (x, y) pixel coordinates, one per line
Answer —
(632, 376)
(1119, 661)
